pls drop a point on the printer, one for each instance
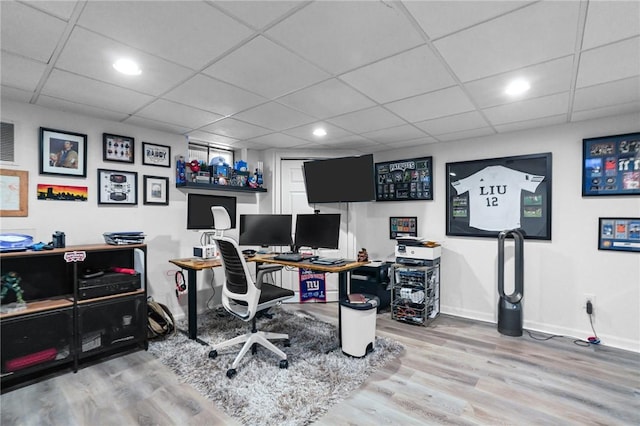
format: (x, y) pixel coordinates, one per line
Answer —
(417, 252)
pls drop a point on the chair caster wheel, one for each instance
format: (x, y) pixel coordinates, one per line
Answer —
(231, 373)
(254, 349)
(287, 343)
(284, 363)
(213, 354)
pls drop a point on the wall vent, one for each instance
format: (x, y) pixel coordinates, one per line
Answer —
(6, 142)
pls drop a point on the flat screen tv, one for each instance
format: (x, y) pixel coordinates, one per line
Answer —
(337, 180)
(265, 230)
(317, 230)
(199, 216)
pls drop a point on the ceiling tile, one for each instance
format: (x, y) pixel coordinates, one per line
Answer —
(630, 108)
(542, 31)
(609, 21)
(327, 99)
(530, 124)
(275, 116)
(263, 67)
(528, 109)
(19, 72)
(306, 132)
(12, 94)
(367, 120)
(432, 105)
(28, 32)
(466, 134)
(395, 134)
(75, 88)
(324, 32)
(93, 55)
(60, 8)
(411, 143)
(81, 109)
(438, 18)
(603, 63)
(190, 33)
(414, 72)
(212, 95)
(174, 113)
(257, 14)
(617, 92)
(200, 135)
(453, 123)
(157, 125)
(357, 143)
(277, 140)
(545, 79)
(236, 129)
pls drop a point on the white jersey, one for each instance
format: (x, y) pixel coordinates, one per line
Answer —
(494, 196)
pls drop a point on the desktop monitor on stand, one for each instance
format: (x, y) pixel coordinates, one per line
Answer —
(317, 231)
(265, 230)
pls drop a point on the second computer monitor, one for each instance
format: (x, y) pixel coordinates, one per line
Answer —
(317, 230)
(265, 230)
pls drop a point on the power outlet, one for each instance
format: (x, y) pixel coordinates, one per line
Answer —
(589, 298)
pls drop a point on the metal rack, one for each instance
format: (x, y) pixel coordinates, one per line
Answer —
(415, 294)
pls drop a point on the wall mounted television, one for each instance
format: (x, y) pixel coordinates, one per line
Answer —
(317, 230)
(265, 230)
(338, 180)
(199, 216)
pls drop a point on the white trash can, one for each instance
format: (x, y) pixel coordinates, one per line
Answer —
(358, 325)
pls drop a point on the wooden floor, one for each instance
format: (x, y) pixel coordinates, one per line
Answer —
(454, 371)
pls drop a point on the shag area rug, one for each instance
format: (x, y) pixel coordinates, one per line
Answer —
(261, 393)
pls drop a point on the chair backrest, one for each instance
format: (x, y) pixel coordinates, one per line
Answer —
(240, 295)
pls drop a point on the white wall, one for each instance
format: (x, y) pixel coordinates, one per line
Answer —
(558, 273)
(85, 222)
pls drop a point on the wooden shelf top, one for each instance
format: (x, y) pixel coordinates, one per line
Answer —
(39, 306)
(83, 247)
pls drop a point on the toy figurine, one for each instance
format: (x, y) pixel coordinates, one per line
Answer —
(363, 256)
(11, 282)
(180, 170)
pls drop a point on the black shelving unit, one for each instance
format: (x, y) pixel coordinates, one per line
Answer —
(215, 187)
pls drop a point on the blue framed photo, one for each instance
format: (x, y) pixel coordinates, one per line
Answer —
(619, 233)
(611, 165)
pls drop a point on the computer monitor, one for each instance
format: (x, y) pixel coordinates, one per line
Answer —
(265, 230)
(317, 230)
(199, 216)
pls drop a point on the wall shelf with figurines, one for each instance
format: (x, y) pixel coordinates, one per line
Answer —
(200, 175)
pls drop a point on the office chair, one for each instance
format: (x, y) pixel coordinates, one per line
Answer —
(243, 297)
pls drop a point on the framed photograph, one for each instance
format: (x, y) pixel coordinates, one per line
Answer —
(117, 187)
(47, 191)
(404, 180)
(63, 153)
(619, 233)
(485, 197)
(156, 155)
(156, 190)
(403, 227)
(14, 186)
(117, 148)
(611, 165)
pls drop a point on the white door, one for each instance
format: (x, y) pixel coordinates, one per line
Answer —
(293, 198)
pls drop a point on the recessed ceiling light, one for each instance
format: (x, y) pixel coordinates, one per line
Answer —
(320, 132)
(127, 66)
(517, 87)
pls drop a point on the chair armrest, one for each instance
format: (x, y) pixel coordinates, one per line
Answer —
(265, 269)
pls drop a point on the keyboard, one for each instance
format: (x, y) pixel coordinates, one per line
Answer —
(328, 261)
(290, 257)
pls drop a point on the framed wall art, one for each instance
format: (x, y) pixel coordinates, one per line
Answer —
(118, 148)
(156, 190)
(404, 180)
(403, 226)
(63, 153)
(117, 187)
(14, 188)
(619, 233)
(156, 155)
(57, 192)
(611, 165)
(485, 197)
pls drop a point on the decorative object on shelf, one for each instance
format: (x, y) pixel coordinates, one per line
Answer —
(485, 197)
(117, 187)
(14, 242)
(363, 256)
(123, 238)
(62, 192)
(63, 153)
(117, 148)
(403, 227)
(405, 180)
(181, 167)
(611, 165)
(14, 186)
(156, 190)
(156, 155)
(11, 282)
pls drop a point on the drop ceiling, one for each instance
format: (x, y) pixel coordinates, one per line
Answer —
(378, 75)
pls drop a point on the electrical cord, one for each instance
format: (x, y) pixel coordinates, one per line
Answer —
(592, 340)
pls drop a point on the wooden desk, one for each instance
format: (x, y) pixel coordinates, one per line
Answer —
(193, 265)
